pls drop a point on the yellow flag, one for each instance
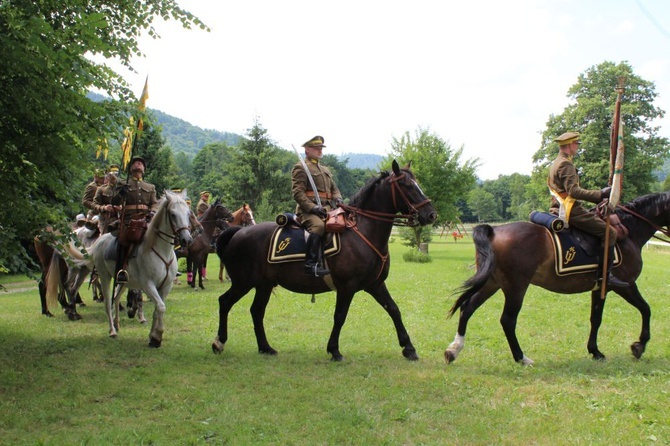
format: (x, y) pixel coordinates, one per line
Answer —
(145, 95)
(617, 178)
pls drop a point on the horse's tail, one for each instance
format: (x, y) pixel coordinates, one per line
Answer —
(224, 239)
(485, 258)
(52, 281)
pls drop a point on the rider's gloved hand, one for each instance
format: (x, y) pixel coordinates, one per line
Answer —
(319, 211)
(605, 193)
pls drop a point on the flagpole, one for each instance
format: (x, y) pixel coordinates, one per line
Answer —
(616, 171)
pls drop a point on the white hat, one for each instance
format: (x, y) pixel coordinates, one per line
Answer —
(81, 217)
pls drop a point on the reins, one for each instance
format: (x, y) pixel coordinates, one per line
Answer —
(168, 238)
(664, 231)
(386, 217)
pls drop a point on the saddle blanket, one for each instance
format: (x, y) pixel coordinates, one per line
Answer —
(288, 244)
(571, 258)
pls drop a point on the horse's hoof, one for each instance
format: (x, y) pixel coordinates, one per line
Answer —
(268, 351)
(48, 314)
(526, 361)
(73, 316)
(131, 313)
(113, 335)
(410, 354)
(449, 356)
(217, 346)
(637, 348)
(82, 304)
(154, 343)
(337, 358)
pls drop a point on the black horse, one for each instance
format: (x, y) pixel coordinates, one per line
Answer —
(362, 263)
(513, 256)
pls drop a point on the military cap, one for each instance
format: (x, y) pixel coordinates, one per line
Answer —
(205, 192)
(139, 158)
(176, 190)
(567, 138)
(113, 169)
(317, 141)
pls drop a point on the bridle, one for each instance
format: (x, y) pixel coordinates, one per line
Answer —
(664, 231)
(411, 217)
(169, 238)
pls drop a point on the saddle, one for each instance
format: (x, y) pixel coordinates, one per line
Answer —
(289, 241)
(576, 251)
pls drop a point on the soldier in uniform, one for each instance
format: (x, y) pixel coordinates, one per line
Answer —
(203, 204)
(89, 192)
(140, 201)
(564, 186)
(312, 215)
(107, 202)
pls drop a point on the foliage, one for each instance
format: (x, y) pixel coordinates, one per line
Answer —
(591, 114)
(443, 176)
(414, 236)
(416, 256)
(50, 129)
(483, 204)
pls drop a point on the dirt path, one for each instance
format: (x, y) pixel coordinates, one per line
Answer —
(18, 287)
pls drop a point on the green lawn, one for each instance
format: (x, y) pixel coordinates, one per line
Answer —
(65, 383)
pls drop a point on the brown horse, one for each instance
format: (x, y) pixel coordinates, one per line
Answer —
(216, 216)
(244, 216)
(513, 256)
(361, 264)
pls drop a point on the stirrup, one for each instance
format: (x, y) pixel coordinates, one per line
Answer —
(316, 270)
(122, 276)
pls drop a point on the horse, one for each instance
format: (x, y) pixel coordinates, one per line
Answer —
(362, 263)
(216, 216)
(54, 269)
(244, 216)
(152, 268)
(513, 256)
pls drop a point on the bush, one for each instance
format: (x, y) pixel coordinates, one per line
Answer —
(414, 255)
(409, 235)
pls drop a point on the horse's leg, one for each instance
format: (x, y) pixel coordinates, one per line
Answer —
(258, 306)
(156, 333)
(202, 267)
(467, 310)
(226, 302)
(220, 271)
(597, 307)
(632, 296)
(383, 298)
(140, 308)
(113, 307)
(342, 304)
(190, 278)
(41, 288)
(513, 304)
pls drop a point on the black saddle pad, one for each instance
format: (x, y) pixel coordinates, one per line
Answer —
(572, 258)
(289, 244)
(112, 250)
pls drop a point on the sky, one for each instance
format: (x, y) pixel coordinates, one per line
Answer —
(484, 76)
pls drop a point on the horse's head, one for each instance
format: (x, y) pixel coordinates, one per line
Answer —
(221, 213)
(408, 198)
(244, 216)
(177, 215)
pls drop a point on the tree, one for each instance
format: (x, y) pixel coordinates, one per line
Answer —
(591, 113)
(438, 168)
(49, 129)
(483, 204)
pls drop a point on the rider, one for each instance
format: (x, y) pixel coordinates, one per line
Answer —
(203, 204)
(563, 183)
(140, 201)
(104, 196)
(89, 192)
(308, 211)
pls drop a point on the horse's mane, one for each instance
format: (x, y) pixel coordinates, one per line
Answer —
(364, 193)
(151, 234)
(650, 204)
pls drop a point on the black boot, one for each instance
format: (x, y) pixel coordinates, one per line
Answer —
(611, 280)
(312, 265)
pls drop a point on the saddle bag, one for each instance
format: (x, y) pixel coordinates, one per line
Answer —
(550, 221)
(133, 233)
(335, 222)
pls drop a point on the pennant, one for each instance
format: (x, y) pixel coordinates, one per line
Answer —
(617, 177)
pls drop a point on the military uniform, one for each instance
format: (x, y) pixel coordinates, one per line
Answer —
(307, 210)
(563, 182)
(89, 192)
(203, 204)
(105, 195)
(140, 198)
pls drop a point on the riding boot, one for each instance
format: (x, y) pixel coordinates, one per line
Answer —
(313, 254)
(612, 281)
(121, 273)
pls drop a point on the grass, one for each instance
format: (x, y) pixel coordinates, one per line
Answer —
(65, 383)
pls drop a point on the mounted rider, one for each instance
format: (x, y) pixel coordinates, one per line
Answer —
(566, 194)
(203, 203)
(140, 205)
(91, 189)
(308, 210)
(107, 202)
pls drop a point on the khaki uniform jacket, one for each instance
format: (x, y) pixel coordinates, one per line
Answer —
(304, 195)
(563, 178)
(105, 195)
(141, 198)
(202, 207)
(89, 194)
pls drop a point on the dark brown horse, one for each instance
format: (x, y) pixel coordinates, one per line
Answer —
(513, 256)
(244, 216)
(216, 216)
(362, 264)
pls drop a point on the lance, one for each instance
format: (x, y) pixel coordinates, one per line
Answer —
(309, 177)
(615, 177)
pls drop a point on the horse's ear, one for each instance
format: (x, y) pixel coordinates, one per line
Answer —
(184, 194)
(396, 168)
(409, 165)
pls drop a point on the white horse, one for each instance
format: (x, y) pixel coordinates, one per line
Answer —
(152, 268)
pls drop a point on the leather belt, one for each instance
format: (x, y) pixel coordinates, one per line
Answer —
(324, 195)
(137, 207)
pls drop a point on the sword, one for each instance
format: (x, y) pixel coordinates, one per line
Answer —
(309, 176)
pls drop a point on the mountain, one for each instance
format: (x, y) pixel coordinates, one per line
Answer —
(361, 160)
